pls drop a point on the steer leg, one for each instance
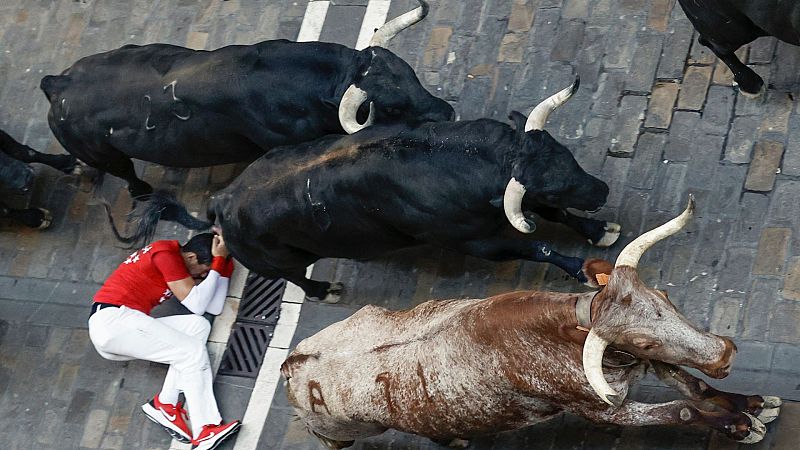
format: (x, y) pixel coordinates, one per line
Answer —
(598, 232)
(765, 408)
(739, 426)
(504, 249)
(21, 152)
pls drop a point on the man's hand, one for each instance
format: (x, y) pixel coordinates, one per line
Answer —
(218, 247)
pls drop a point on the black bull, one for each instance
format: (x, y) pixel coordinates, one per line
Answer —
(726, 25)
(185, 108)
(391, 187)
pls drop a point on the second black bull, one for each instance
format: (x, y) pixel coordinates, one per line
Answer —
(457, 185)
(185, 108)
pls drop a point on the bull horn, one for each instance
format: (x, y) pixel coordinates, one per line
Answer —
(538, 117)
(593, 350)
(630, 255)
(390, 29)
(348, 108)
(512, 205)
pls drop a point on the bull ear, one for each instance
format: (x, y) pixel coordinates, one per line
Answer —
(518, 119)
(497, 202)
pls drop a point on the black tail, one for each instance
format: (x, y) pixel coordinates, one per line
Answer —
(161, 205)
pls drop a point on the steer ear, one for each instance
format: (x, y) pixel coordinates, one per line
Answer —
(518, 119)
(330, 103)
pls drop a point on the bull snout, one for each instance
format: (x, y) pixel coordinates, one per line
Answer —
(593, 195)
(722, 368)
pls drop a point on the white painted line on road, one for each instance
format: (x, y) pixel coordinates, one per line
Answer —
(313, 21)
(377, 10)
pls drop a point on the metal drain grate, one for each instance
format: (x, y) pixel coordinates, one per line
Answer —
(258, 314)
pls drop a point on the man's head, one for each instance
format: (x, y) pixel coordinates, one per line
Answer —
(197, 254)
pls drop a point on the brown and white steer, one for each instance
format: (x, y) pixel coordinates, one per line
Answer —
(460, 368)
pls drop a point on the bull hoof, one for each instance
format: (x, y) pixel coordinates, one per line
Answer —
(771, 409)
(332, 443)
(756, 432)
(611, 235)
(47, 219)
(753, 87)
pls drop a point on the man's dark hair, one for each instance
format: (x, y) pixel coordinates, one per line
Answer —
(200, 245)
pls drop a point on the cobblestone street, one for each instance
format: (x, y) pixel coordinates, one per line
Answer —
(657, 117)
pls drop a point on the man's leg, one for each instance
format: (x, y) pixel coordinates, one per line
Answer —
(124, 332)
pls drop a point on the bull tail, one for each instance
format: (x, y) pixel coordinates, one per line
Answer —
(146, 215)
(53, 85)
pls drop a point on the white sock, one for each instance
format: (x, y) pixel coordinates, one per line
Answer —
(169, 396)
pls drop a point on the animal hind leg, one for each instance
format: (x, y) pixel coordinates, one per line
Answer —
(119, 165)
(599, 232)
(316, 290)
(765, 408)
(750, 83)
(21, 152)
(739, 426)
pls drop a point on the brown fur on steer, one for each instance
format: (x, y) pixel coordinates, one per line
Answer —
(456, 369)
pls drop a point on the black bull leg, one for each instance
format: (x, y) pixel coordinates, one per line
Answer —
(504, 249)
(37, 218)
(21, 152)
(749, 82)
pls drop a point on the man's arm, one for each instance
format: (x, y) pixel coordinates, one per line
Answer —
(197, 298)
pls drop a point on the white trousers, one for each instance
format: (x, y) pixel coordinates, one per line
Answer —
(122, 334)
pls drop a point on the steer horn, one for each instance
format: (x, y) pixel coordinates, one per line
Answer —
(630, 255)
(390, 29)
(512, 205)
(593, 350)
(348, 108)
(538, 116)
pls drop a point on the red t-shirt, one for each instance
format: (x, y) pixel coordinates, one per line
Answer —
(140, 282)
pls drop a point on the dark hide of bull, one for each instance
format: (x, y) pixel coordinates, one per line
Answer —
(388, 188)
(726, 25)
(186, 108)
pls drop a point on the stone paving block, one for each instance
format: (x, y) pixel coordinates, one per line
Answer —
(713, 240)
(659, 14)
(676, 46)
(776, 118)
(783, 324)
(631, 116)
(436, 49)
(791, 284)
(568, 41)
(718, 110)
(521, 17)
(682, 131)
(762, 50)
(725, 317)
(607, 97)
(761, 301)
(783, 206)
(647, 160)
(94, 428)
(662, 100)
(735, 272)
(764, 166)
(644, 63)
(620, 49)
(753, 356)
(703, 162)
(575, 9)
(700, 54)
(590, 56)
(785, 74)
(786, 357)
(772, 248)
(615, 172)
(740, 140)
(693, 88)
(727, 191)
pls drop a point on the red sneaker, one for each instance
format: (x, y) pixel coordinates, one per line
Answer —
(213, 435)
(171, 417)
